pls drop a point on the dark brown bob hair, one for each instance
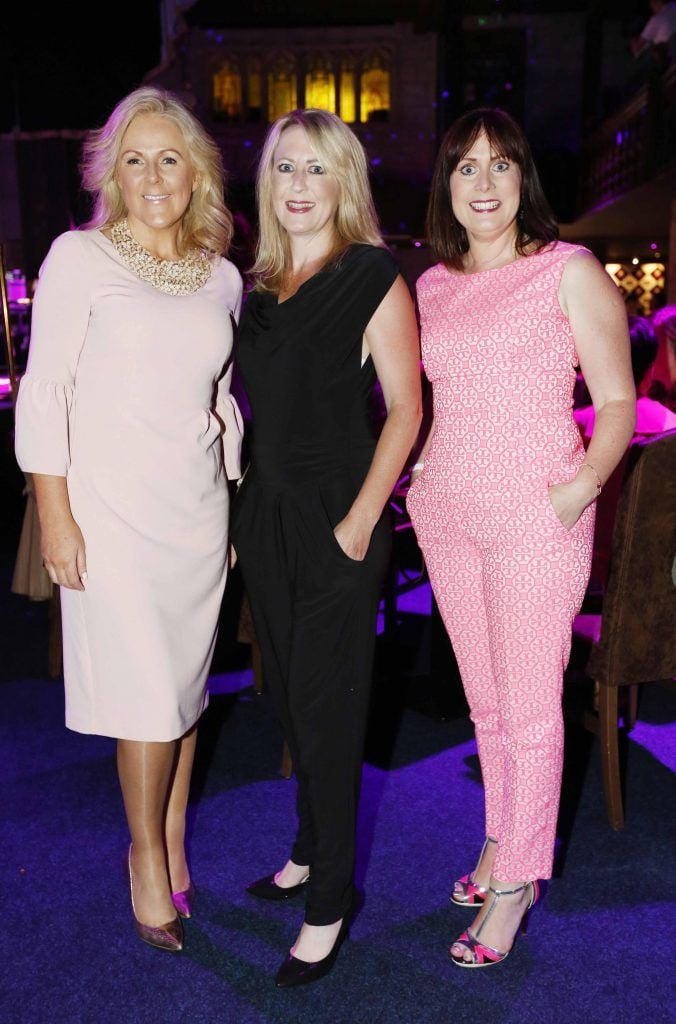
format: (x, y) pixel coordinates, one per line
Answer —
(536, 224)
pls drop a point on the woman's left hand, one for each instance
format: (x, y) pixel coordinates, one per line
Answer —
(353, 536)
(570, 500)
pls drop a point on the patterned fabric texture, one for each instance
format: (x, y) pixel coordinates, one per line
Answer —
(507, 575)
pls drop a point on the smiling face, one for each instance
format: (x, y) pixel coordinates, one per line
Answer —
(485, 191)
(304, 193)
(155, 176)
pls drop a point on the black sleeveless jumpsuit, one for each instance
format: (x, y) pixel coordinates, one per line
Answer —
(314, 608)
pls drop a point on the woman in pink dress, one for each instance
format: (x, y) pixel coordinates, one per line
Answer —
(125, 420)
(502, 499)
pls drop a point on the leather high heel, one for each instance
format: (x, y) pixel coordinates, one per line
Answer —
(294, 972)
(466, 893)
(486, 956)
(167, 936)
(183, 901)
(267, 889)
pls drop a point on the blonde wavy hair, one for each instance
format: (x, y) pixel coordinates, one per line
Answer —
(207, 222)
(342, 155)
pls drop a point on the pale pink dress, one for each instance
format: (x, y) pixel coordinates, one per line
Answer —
(127, 394)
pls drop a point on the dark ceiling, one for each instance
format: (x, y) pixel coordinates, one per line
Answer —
(424, 13)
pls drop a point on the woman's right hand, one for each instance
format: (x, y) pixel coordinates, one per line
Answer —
(63, 552)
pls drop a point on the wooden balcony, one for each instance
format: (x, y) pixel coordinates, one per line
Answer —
(632, 147)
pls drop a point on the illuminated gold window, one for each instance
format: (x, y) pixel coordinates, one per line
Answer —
(348, 92)
(227, 92)
(320, 85)
(254, 90)
(375, 91)
(282, 95)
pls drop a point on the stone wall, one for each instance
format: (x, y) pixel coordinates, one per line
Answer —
(401, 150)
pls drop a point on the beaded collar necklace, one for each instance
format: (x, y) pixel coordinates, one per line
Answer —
(174, 277)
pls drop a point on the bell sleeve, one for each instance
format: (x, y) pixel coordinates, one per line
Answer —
(59, 320)
(226, 405)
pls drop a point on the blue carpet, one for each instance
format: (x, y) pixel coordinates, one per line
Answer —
(600, 946)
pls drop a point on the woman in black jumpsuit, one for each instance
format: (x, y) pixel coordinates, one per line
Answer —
(308, 523)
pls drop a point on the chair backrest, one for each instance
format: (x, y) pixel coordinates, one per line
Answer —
(638, 629)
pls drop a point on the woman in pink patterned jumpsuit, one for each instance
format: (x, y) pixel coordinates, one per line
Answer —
(504, 506)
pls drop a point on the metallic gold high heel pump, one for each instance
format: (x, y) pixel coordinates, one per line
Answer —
(183, 901)
(167, 936)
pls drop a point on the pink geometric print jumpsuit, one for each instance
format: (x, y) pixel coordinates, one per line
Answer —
(507, 575)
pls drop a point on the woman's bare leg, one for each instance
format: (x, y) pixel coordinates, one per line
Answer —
(291, 874)
(177, 803)
(145, 771)
(314, 941)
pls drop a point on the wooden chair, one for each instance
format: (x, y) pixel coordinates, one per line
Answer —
(636, 642)
(30, 577)
(31, 580)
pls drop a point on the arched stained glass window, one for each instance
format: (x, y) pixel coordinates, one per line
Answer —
(375, 90)
(282, 93)
(227, 92)
(320, 85)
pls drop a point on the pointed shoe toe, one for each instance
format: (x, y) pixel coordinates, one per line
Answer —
(167, 936)
(184, 901)
(294, 972)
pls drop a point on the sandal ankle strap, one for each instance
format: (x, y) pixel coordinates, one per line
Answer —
(509, 892)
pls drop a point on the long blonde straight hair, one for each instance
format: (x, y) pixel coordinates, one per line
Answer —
(343, 156)
(207, 222)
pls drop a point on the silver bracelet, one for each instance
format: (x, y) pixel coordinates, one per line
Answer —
(599, 485)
